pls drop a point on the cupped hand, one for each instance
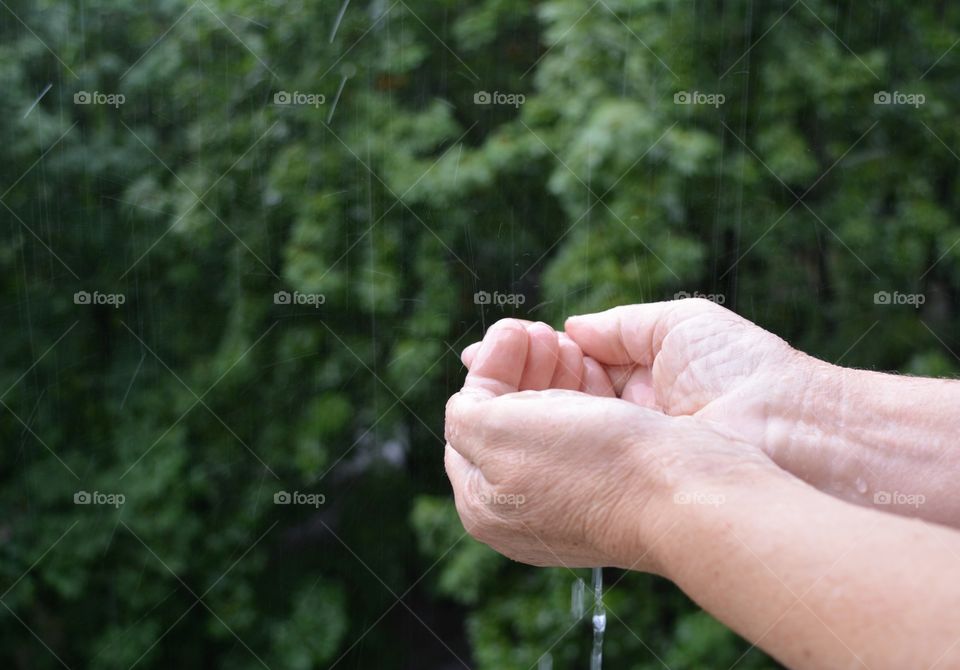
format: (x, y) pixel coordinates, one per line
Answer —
(692, 357)
(559, 477)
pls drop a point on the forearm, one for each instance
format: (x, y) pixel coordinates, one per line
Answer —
(816, 582)
(872, 438)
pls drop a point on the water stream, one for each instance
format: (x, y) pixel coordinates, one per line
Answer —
(599, 620)
(577, 608)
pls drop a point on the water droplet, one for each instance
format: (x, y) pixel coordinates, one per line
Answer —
(576, 599)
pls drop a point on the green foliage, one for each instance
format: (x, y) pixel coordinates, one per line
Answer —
(397, 199)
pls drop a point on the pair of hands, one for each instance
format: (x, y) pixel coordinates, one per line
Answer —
(571, 448)
(681, 439)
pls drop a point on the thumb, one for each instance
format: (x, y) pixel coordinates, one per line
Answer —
(632, 334)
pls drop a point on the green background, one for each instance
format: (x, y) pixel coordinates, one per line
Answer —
(197, 199)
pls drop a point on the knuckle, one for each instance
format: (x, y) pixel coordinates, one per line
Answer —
(456, 417)
(687, 310)
(450, 419)
(702, 304)
(508, 324)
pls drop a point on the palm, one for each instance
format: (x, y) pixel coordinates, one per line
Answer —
(704, 361)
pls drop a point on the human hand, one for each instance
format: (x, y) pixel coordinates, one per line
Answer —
(684, 357)
(564, 478)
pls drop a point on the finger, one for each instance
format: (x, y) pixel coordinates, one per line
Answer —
(499, 362)
(569, 369)
(541, 358)
(466, 480)
(464, 421)
(496, 370)
(633, 383)
(638, 389)
(595, 379)
(477, 423)
(468, 354)
(569, 372)
(619, 376)
(632, 333)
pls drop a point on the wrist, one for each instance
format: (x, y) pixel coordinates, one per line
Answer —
(868, 437)
(702, 471)
(703, 523)
(805, 417)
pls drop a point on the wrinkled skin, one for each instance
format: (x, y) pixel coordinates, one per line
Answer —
(686, 358)
(557, 477)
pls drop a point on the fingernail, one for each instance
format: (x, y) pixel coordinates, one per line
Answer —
(540, 325)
